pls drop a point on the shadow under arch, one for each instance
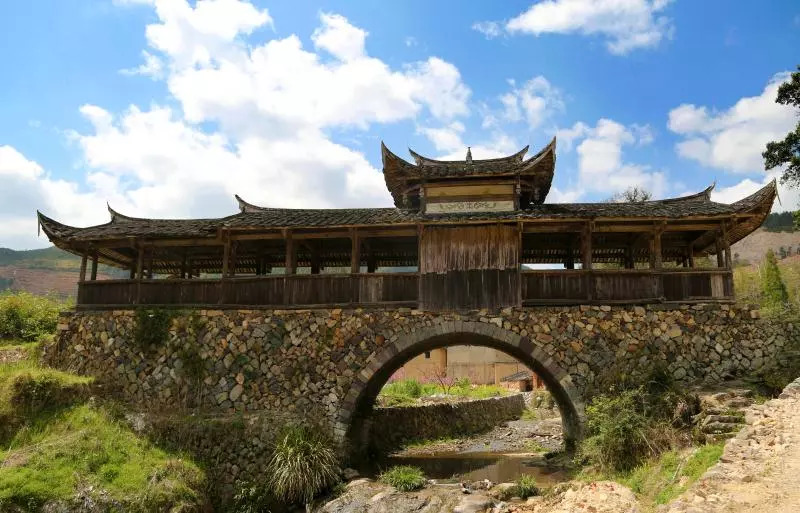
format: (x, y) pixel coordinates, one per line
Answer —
(357, 407)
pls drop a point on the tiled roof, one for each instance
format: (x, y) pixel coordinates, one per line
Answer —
(124, 226)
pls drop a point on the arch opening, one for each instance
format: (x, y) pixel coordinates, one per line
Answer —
(363, 398)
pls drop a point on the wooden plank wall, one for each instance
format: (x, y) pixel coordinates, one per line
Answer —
(469, 267)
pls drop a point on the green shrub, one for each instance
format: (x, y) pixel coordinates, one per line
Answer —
(525, 486)
(772, 287)
(303, 464)
(28, 317)
(404, 477)
(152, 327)
(252, 498)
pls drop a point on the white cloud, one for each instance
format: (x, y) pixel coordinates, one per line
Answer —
(601, 167)
(627, 24)
(151, 67)
(534, 102)
(26, 187)
(789, 197)
(490, 29)
(251, 119)
(732, 140)
(340, 38)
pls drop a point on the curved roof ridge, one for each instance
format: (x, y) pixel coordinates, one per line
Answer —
(116, 216)
(245, 206)
(427, 161)
(535, 159)
(704, 195)
(52, 227)
(759, 198)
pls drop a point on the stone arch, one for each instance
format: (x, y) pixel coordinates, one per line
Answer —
(383, 363)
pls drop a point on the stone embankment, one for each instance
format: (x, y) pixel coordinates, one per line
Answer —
(759, 468)
(392, 426)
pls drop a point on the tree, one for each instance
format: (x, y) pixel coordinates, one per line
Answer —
(633, 194)
(772, 286)
(787, 152)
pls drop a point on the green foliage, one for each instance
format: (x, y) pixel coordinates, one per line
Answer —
(779, 222)
(787, 152)
(526, 486)
(408, 391)
(661, 479)
(303, 464)
(28, 317)
(252, 498)
(84, 449)
(404, 477)
(625, 428)
(152, 327)
(772, 286)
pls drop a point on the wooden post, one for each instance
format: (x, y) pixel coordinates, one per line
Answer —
(690, 255)
(719, 250)
(183, 266)
(586, 247)
(94, 266)
(226, 257)
(139, 262)
(189, 271)
(132, 275)
(232, 263)
(371, 263)
(570, 260)
(315, 266)
(82, 276)
(355, 253)
(656, 260)
(150, 263)
(586, 257)
(726, 247)
(291, 254)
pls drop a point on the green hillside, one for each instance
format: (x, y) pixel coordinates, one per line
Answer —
(50, 258)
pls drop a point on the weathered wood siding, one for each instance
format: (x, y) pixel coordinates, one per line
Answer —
(469, 267)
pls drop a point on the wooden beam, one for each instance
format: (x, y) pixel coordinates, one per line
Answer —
(94, 266)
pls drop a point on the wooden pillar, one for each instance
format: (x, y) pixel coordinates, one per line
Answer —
(355, 253)
(371, 262)
(719, 251)
(690, 255)
(189, 271)
(569, 263)
(226, 257)
(291, 254)
(726, 247)
(586, 247)
(139, 262)
(132, 274)
(629, 262)
(94, 266)
(315, 265)
(82, 276)
(150, 263)
(656, 260)
(183, 266)
(232, 263)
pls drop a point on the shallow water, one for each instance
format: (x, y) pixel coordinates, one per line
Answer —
(475, 466)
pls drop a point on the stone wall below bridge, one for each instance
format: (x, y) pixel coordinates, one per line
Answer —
(395, 425)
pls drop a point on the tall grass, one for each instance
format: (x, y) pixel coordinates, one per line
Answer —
(303, 464)
(409, 391)
(27, 317)
(405, 478)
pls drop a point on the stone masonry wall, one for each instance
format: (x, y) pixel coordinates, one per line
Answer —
(304, 364)
(431, 421)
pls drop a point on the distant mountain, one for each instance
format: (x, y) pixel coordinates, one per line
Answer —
(752, 248)
(44, 271)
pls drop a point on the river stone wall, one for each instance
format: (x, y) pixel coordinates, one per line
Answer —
(395, 425)
(314, 363)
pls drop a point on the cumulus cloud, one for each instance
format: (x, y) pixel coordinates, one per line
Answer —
(601, 166)
(789, 197)
(626, 24)
(245, 115)
(733, 139)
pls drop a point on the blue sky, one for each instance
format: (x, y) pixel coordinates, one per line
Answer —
(168, 107)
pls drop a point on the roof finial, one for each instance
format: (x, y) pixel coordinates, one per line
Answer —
(469, 155)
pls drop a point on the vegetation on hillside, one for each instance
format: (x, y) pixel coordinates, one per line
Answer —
(759, 285)
(27, 317)
(410, 391)
(780, 222)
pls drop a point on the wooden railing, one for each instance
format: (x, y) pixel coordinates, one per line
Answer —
(284, 291)
(539, 287)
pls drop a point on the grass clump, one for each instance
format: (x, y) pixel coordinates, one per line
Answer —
(152, 327)
(525, 486)
(26, 317)
(303, 464)
(27, 389)
(65, 456)
(405, 478)
(660, 480)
